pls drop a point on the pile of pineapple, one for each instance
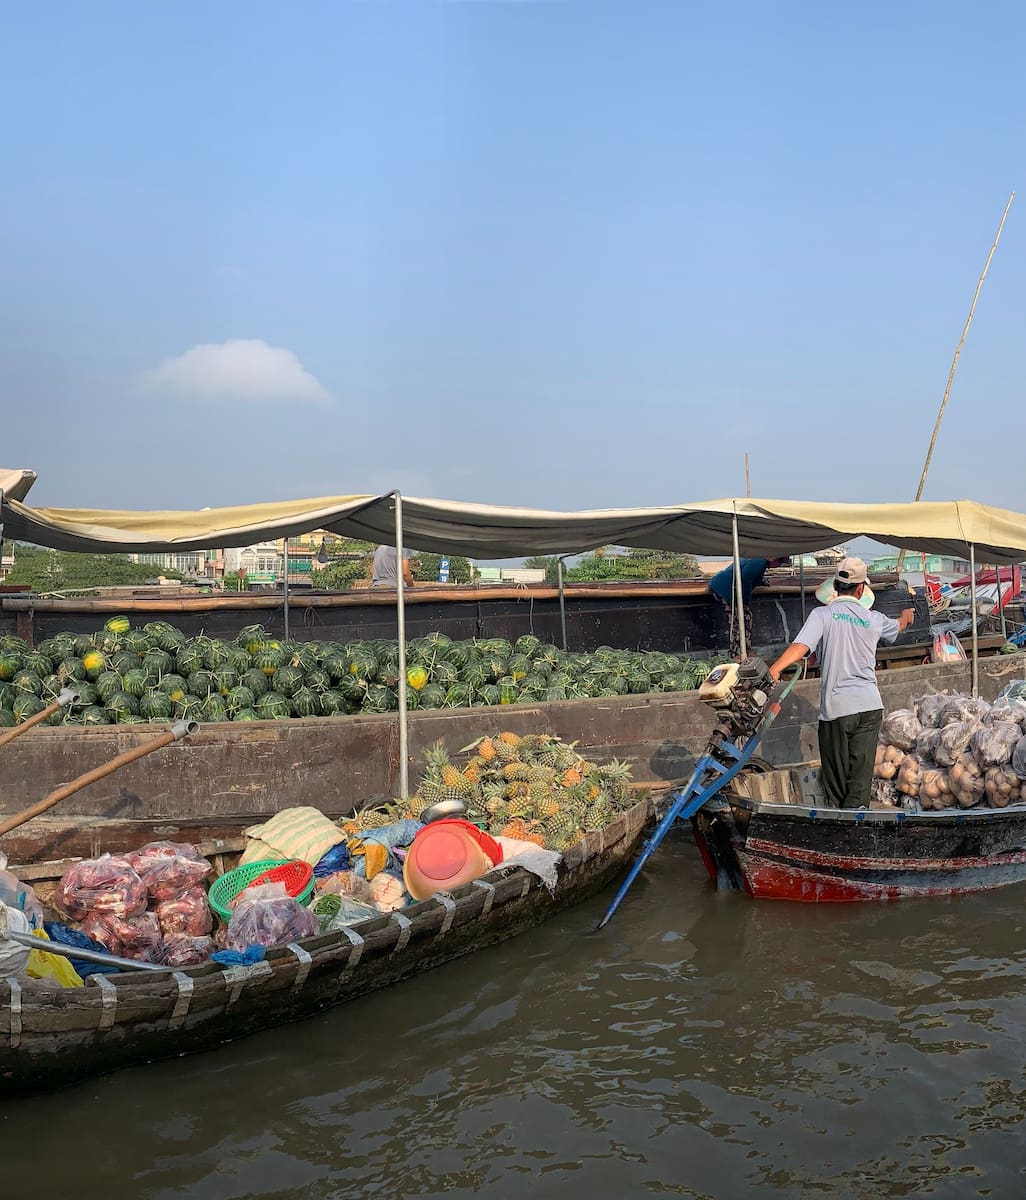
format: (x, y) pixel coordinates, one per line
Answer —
(536, 788)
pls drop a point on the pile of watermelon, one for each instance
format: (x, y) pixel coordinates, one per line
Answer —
(156, 673)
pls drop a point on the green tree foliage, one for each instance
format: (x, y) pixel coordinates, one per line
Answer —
(60, 571)
(548, 563)
(344, 572)
(609, 563)
(425, 570)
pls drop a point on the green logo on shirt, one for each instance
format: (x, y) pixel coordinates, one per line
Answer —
(851, 619)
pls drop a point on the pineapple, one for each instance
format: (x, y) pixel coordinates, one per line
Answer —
(598, 815)
(509, 739)
(523, 831)
(516, 771)
(560, 830)
(518, 790)
(571, 777)
(486, 749)
(505, 752)
(541, 776)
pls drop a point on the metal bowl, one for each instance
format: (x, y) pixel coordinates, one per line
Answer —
(444, 808)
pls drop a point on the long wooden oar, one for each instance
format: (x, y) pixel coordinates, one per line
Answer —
(65, 697)
(177, 731)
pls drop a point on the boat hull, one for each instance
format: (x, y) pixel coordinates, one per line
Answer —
(787, 852)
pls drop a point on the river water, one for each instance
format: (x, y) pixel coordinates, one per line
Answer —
(702, 1045)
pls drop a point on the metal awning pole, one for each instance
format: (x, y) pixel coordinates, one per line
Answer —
(285, 567)
(1001, 593)
(562, 598)
(739, 600)
(400, 606)
(973, 611)
(801, 583)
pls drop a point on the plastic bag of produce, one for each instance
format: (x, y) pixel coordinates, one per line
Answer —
(101, 885)
(901, 728)
(14, 956)
(910, 775)
(954, 739)
(1002, 787)
(926, 744)
(992, 745)
(181, 950)
(960, 709)
(934, 789)
(129, 937)
(1006, 710)
(1016, 690)
(168, 868)
(884, 793)
(268, 916)
(928, 708)
(1018, 763)
(966, 781)
(188, 914)
(887, 762)
(21, 896)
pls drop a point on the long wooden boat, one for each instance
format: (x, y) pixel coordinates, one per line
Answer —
(52, 1036)
(793, 852)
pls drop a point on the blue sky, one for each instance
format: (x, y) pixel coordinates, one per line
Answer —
(562, 254)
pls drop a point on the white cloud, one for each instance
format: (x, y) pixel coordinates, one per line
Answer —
(243, 369)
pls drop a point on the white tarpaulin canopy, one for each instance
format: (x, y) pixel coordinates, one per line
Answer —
(765, 527)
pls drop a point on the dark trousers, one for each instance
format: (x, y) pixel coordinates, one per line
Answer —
(847, 747)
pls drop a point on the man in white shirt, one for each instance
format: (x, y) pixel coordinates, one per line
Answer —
(845, 635)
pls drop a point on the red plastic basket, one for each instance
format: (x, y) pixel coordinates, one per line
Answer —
(295, 875)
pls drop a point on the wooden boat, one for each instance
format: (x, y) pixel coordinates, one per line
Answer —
(794, 852)
(52, 1036)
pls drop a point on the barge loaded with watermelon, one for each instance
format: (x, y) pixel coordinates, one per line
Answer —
(154, 673)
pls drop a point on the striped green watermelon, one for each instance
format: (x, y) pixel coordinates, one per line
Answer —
(237, 659)
(137, 682)
(123, 704)
(93, 715)
(39, 662)
(189, 708)
(268, 659)
(155, 705)
(125, 660)
(332, 702)
(287, 680)
(136, 642)
(239, 698)
(107, 683)
(10, 664)
(272, 706)
(7, 718)
(304, 703)
(432, 695)
(117, 625)
(215, 655)
(173, 686)
(27, 683)
(200, 683)
(225, 678)
(188, 658)
(158, 662)
(251, 638)
(247, 714)
(318, 679)
(214, 708)
(255, 680)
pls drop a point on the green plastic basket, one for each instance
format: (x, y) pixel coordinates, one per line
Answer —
(224, 890)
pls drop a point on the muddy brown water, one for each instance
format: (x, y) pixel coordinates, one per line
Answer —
(702, 1045)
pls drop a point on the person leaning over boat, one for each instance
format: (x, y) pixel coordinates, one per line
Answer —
(385, 568)
(753, 574)
(845, 634)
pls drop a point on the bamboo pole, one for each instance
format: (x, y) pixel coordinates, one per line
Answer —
(954, 363)
(177, 731)
(748, 477)
(65, 697)
(400, 604)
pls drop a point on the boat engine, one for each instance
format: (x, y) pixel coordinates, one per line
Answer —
(739, 693)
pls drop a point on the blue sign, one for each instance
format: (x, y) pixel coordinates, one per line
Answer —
(443, 570)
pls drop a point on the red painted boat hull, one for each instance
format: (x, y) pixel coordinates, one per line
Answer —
(783, 852)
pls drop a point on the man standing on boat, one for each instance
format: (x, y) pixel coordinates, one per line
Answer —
(753, 575)
(385, 568)
(845, 633)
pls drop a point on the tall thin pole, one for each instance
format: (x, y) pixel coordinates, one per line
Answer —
(1001, 594)
(562, 598)
(954, 363)
(973, 613)
(285, 589)
(748, 477)
(400, 605)
(739, 601)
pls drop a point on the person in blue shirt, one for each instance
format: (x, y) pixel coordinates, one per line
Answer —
(753, 572)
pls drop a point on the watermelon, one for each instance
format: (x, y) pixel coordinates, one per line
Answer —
(27, 683)
(155, 705)
(336, 665)
(117, 625)
(7, 718)
(252, 638)
(287, 680)
(107, 683)
(268, 659)
(304, 703)
(239, 698)
(200, 683)
(237, 659)
(490, 694)
(51, 688)
(432, 696)
(125, 660)
(189, 708)
(158, 662)
(27, 706)
(214, 708)
(136, 642)
(444, 673)
(122, 704)
(458, 696)
(225, 678)
(527, 644)
(272, 706)
(379, 699)
(87, 694)
(188, 658)
(214, 655)
(94, 662)
(332, 703)
(362, 663)
(137, 682)
(255, 680)
(39, 662)
(131, 719)
(508, 692)
(94, 715)
(174, 686)
(318, 679)
(519, 666)
(247, 714)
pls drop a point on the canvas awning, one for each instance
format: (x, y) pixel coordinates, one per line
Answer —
(765, 527)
